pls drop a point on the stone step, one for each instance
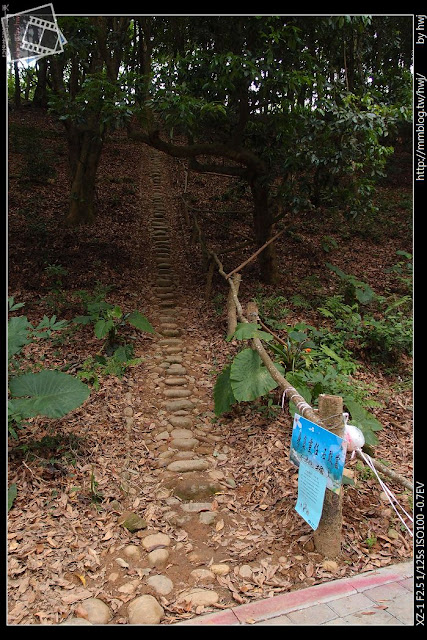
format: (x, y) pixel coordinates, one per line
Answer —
(182, 424)
(176, 405)
(184, 444)
(177, 393)
(175, 382)
(185, 466)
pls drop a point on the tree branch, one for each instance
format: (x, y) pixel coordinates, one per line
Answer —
(236, 154)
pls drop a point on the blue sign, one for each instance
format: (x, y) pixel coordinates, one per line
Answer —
(319, 448)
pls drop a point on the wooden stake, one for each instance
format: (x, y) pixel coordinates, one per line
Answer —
(327, 537)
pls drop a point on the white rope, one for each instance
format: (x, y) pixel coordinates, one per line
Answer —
(391, 497)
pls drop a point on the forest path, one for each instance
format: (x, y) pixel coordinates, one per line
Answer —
(176, 504)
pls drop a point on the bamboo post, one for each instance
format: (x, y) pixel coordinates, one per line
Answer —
(327, 537)
(231, 306)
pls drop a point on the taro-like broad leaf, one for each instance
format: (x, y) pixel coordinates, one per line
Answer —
(136, 319)
(249, 378)
(48, 393)
(223, 393)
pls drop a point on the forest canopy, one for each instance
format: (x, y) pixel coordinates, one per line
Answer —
(304, 110)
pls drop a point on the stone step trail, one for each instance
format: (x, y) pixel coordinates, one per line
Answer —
(183, 454)
(178, 397)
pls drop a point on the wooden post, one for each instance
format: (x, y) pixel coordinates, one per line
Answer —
(327, 537)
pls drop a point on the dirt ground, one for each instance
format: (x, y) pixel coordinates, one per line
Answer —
(77, 475)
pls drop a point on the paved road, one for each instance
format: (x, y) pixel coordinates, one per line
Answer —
(383, 598)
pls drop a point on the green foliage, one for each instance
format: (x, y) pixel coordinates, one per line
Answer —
(99, 102)
(98, 366)
(403, 270)
(11, 495)
(380, 325)
(353, 289)
(296, 352)
(311, 383)
(249, 377)
(314, 361)
(273, 309)
(108, 318)
(47, 393)
(246, 378)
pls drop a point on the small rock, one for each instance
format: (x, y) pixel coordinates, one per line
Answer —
(76, 622)
(175, 382)
(199, 597)
(207, 517)
(132, 552)
(97, 611)
(164, 435)
(195, 488)
(132, 521)
(176, 370)
(145, 610)
(220, 569)
(245, 571)
(169, 342)
(122, 563)
(156, 540)
(177, 393)
(202, 574)
(184, 455)
(158, 558)
(161, 584)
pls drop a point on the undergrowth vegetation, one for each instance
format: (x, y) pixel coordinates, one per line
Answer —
(355, 325)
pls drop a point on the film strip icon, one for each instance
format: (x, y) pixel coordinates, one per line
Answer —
(41, 28)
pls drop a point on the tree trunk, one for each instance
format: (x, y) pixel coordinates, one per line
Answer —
(40, 92)
(85, 151)
(263, 227)
(17, 96)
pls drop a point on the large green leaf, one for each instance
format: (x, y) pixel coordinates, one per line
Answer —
(249, 377)
(17, 334)
(48, 393)
(102, 327)
(249, 330)
(136, 319)
(223, 393)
